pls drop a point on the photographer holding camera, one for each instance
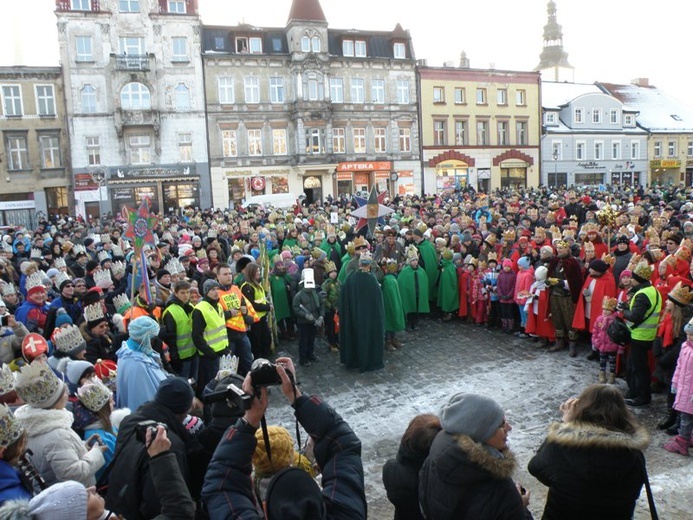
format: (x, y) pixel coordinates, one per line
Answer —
(292, 494)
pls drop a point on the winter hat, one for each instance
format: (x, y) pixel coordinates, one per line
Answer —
(76, 369)
(474, 415)
(688, 329)
(599, 265)
(523, 262)
(193, 424)
(507, 263)
(52, 272)
(625, 272)
(143, 328)
(88, 241)
(282, 446)
(62, 318)
(209, 285)
(176, 394)
(222, 408)
(91, 265)
(292, 494)
(61, 501)
(546, 249)
(2, 304)
(622, 239)
(541, 273)
(161, 273)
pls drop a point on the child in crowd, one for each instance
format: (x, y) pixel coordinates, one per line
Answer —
(539, 323)
(490, 281)
(602, 343)
(506, 294)
(525, 278)
(682, 386)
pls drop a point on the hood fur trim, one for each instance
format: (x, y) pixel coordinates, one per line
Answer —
(501, 468)
(586, 435)
(16, 510)
(118, 415)
(37, 421)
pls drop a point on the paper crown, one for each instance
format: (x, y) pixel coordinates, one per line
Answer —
(561, 243)
(103, 255)
(105, 238)
(643, 270)
(7, 380)
(35, 253)
(228, 365)
(105, 369)
(94, 312)
(118, 268)
(79, 250)
(390, 265)
(60, 278)
(683, 252)
(94, 395)
(588, 246)
(681, 294)
(103, 278)
(174, 267)
(59, 263)
(34, 282)
(491, 240)
(365, 257)
(11, 428)
(360, 242)
(240, 244)
(212, 233)
(350, 248)
(117, 251)
(38, 386)
(121, 303)
(509, 235)
(412, 253)
(69, 340)
(447, 254)
(609, 259)
(492, 257)
(609, 304)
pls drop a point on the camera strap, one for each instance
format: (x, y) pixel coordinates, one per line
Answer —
(265, 433)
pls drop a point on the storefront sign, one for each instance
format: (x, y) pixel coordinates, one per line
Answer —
(590, 165)
(344, 176)
(665, 163)
(513, 164)
(257, 183)
(364, 166)
(382, 175)
(134, 172)
(17, 204)
(122, 194)
(84, 181)
(483, 173)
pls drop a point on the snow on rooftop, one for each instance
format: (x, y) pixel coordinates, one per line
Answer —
(554, 95)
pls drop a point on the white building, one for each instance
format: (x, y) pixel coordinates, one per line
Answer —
(135, 103)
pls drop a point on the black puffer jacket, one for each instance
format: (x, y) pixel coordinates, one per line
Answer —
(401, 481)
(591, 472)
(460, 480)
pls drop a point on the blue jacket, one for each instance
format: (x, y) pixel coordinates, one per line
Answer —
(11, 487)
(137, 379)
(228, 489)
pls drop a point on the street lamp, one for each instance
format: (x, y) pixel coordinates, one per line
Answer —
(555, 165)
(99, 177)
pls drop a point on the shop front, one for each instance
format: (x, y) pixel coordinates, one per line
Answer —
(590, 173)
(358, 177)
(623, 175)
(665, 171)
(18, 209)
(513, 174)
(451, 175)
(244, 184)
(689, 172)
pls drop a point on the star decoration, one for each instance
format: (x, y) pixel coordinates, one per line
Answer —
(372, 211)
(140, 226)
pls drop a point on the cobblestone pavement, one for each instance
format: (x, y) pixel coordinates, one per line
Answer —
(440, 359)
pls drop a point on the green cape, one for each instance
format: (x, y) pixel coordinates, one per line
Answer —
(407, 281)
(429, 261)
(448, 290)
(394, 315)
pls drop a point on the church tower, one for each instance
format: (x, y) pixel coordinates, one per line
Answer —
(553, 61)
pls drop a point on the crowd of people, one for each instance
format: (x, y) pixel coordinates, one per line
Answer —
(97, 338)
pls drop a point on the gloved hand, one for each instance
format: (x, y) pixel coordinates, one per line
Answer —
(319, 322)
(622, 306)
(310, 317)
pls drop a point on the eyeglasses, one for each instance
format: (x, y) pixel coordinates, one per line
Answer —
(68, 285)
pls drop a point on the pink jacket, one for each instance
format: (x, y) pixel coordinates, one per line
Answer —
(683, 379)
(523, 283)
(600, 339)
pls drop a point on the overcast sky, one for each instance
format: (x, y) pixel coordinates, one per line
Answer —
(606, 40)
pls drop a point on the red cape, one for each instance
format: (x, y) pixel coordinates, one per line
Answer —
(604, 286)
(463, 285)
(541, 324)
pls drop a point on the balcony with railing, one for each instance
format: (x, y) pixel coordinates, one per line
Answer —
(132, 62)
(141, 118)
(78, 5)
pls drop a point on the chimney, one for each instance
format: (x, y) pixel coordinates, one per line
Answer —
(641, 82)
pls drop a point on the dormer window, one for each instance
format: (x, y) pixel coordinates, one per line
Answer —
(305, 44)
(399, 51)
(248, 45)
(315, 43)
(550, 118)
(628, 120)
(310, 43)
(353, 48)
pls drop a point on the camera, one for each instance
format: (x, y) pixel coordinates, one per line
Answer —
(4, 320)
(142, 428)
(235, 398)
(264, 373)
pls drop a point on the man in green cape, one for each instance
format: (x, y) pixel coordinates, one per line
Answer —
(394, 315)
(362, 318)
(280, 284)
(429, 261)
(448, 290)
(413, 288)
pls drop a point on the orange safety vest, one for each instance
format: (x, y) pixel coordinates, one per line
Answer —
(233, 299)
(135, 312)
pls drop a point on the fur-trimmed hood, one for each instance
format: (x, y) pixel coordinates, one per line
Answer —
(585, 435)
(37, 421)
(477, 454)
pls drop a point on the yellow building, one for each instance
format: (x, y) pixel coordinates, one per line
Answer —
(479, 128)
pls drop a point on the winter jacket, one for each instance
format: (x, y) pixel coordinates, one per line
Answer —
(461, 480)
(523, 282)
(138, 377)
(228, 489)
(171, 491)
(401, 481)
(600, 338)
(58, 452)
(591, 472)
(99, 347)
(11, 486)
(11, 341)
(131, 489)
(506, 286)
(307, 302)
(683, 379)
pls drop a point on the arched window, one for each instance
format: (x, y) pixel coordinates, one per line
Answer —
(305, 44)
(315, 43)
(135, 96)
(88, 95)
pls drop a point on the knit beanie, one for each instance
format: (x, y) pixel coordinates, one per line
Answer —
(209, 285)
(507, 263)
(62, 318)
(523, 262)
(546, 249)
(221, 408)
(61, 501)
(599, 265)
(176, 394)
(161, 273)
(76, 369)
(688, 329)
(293, 495)
(52, 272)
(625, 272)
(474, 415)
(282, 447)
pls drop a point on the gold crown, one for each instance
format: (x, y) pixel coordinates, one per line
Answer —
(121, 303)
(118, 268)
(609, 259)
(491, 240)
(683, 252)
(240, 244)
(351, 248)
(609, 303)
(35, 253)
(590, 228)
(69, 340)
(330, 266)
(103, 255)
(412, 253)
(540, 232)
(643, 270)
(447, 254)
(569, 233)
(316, 252)
(492, 256)
(228, 365)
(94, 312)
(509, 235)
(38, 386)
(201, 253)
(11, 428)
(59, 262)
(34, 280)
(103, 279)
(360, 242)
(681, 294)
(588, 246)
(94, 395)
(561, 243)
(7, 380)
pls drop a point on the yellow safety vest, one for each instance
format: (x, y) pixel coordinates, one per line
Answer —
(215, 331)
(259, 296)
(184, 342)
(233, 299)
(647, 330)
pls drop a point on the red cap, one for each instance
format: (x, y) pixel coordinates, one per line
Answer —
(105, 369)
